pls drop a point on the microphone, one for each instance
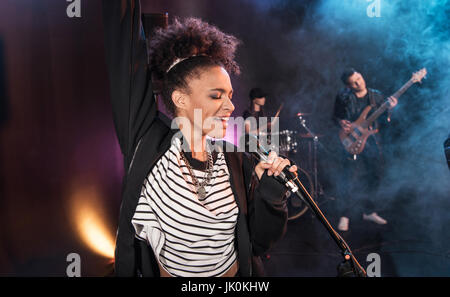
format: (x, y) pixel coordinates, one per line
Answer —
(289, 179)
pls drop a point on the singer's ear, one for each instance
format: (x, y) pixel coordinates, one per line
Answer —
(179, 99)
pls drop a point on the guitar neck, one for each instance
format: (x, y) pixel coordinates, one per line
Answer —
(403, 89)
(386, 104)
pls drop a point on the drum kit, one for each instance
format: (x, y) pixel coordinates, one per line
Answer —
(301, 147)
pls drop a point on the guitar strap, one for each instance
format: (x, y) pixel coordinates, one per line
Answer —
(371, 99)
(373, 104)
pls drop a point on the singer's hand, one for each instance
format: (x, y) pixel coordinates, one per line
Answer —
(274, 165)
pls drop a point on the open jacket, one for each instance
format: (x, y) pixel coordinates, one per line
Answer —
(346, 108)
(144, 136)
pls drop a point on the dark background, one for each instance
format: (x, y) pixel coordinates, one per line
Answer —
(57, 139)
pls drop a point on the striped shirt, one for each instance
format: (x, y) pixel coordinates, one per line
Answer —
(189, 237)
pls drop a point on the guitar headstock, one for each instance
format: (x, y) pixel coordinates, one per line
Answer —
(419, 75)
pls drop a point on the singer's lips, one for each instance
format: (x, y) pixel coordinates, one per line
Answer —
(224, 118)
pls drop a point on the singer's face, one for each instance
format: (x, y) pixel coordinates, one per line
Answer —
(207, 104)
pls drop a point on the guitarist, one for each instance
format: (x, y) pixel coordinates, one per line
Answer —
(362, 173)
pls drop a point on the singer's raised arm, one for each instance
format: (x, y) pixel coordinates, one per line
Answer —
(131, 94)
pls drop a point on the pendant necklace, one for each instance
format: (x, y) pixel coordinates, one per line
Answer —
(200, 187)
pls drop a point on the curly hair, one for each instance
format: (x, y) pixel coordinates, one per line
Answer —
(200, 44)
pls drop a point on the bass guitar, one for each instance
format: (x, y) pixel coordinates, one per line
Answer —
(355, 140)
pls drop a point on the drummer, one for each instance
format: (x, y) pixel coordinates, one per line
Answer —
(256, 122)
(253, 114)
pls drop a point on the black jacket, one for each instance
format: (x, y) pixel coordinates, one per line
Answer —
(348, 107)
(144, 137)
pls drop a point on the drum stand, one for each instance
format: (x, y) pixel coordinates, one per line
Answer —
(315, 138)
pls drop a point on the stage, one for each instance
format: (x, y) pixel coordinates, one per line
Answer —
(62, 168)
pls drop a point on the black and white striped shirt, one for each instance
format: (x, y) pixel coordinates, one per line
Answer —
(189, 237)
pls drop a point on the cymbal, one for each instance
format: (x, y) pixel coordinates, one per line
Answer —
(308, 135)
(302, 114)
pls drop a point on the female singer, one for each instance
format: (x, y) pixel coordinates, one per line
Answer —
(189, 208)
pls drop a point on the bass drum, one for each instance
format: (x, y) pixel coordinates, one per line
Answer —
(296, 206)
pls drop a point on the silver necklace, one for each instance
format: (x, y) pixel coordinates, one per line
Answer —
(200, 187)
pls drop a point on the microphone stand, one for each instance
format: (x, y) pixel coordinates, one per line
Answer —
(350, 266)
